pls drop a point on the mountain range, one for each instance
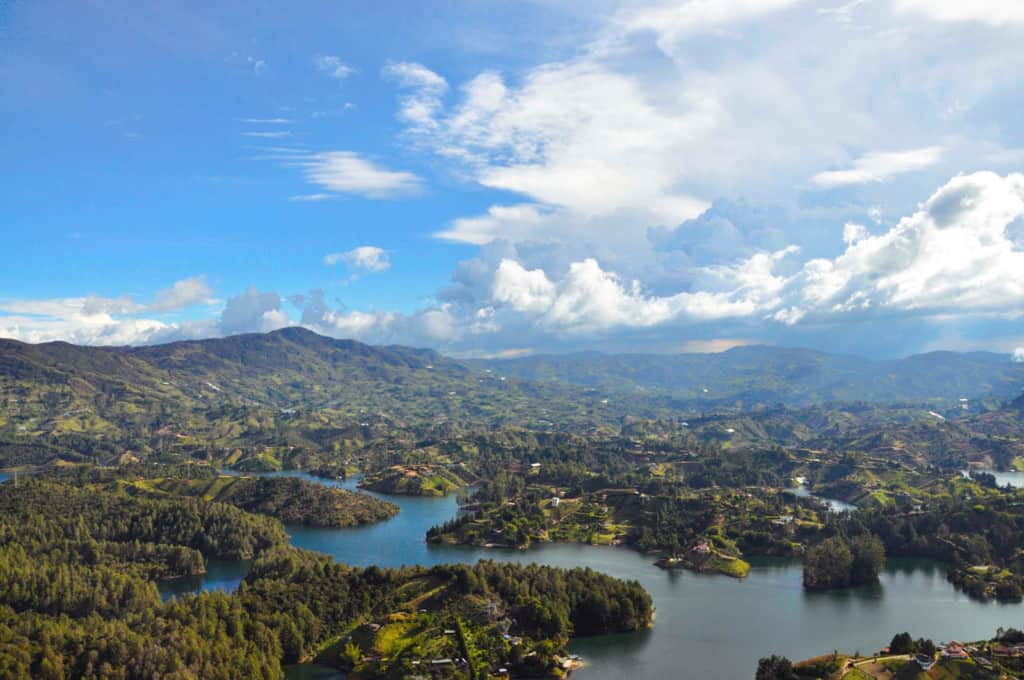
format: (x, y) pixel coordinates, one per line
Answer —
(758, 374)
(269, 394)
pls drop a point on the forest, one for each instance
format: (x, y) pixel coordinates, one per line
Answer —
(78, 594)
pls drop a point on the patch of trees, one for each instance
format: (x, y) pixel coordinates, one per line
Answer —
(775, 668)
(216, 530)
(840, 562)
(903, 643)
(297, 501)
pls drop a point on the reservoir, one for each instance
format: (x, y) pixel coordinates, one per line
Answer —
(707, 626)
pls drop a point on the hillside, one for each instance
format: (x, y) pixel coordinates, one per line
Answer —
(755, 375)
(259, 396)
(293, 398)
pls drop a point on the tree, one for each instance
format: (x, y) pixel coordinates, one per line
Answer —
(828, 565)
(775, 668)
(901, 643)
(868, 559)
(352, 653)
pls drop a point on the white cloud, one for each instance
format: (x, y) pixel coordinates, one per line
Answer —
(346, 172)
(578, 136)
(952, 258)
(368, 258)
(952, 255)
(525, 291)
(183, 293)
(424, 90)
(333, 66)
(673, 22)
(268, 134)
(591, 299)
(992, 12)
(752, 100)
(89, 320)
(879, 166)
(514, 222)
(853, 232)
(253, 311)
(312, 198)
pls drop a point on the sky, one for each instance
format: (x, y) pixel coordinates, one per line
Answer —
(496, 179)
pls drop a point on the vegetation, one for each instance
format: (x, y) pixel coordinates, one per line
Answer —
(910, 659)
(414, 480)
(289, 499)
(77, 597)
(839, 563)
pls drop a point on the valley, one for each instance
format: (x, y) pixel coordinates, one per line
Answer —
(284, 465)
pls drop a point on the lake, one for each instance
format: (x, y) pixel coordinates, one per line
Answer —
(833, 504)
(707, 626)
(1011, 478)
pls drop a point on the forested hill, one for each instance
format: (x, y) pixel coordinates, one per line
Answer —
(287, 370)
(761, 374)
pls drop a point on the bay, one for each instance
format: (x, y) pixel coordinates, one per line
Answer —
(707, 626)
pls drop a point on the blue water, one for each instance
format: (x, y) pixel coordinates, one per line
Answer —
(707, 626)
(833, 504)
(1013, 478)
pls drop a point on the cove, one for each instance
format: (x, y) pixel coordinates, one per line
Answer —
(707, 626)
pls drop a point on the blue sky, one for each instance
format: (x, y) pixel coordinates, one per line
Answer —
(502, 178)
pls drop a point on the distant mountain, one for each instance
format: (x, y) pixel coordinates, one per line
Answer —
(758, 375)
(294, 395)
(290, 388)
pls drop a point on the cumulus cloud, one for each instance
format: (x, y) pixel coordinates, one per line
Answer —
(346, 172)
(253, 311)
(183, 293)
(367, 258)
(880, 166)
(589, 298)
(99, 320)
(954, 254)
(89, 320)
